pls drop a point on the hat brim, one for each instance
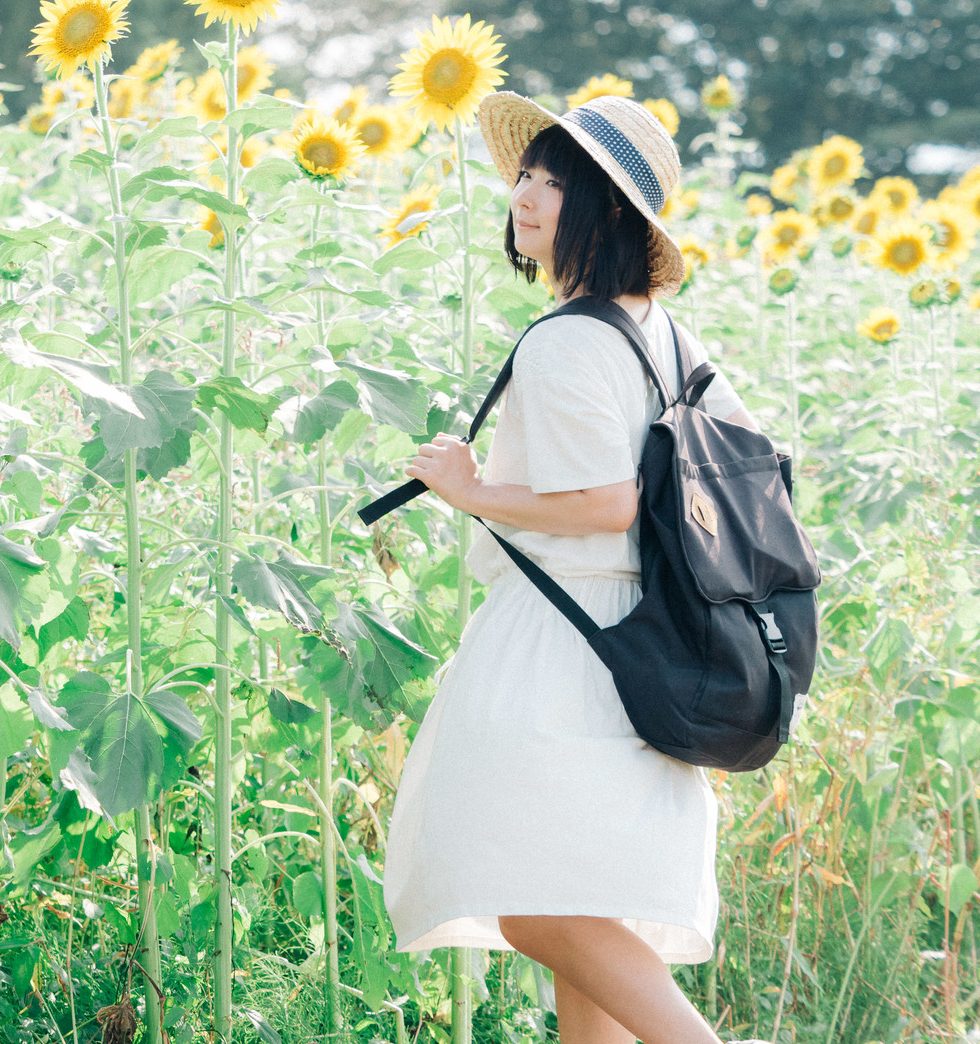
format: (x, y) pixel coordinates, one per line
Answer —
(510, 122)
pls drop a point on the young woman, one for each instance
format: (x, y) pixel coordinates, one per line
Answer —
(529, 814)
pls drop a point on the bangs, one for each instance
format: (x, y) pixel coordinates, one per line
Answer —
(555, 150)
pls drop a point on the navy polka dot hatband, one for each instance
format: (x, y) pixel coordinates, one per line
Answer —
(630, 144)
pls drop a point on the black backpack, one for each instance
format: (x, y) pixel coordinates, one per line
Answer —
(718, 653)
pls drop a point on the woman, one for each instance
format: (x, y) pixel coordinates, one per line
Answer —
(529, 814)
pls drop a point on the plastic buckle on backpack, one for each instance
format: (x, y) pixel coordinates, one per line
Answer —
(771, 634)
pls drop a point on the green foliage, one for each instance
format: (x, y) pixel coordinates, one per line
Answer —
(845, 867)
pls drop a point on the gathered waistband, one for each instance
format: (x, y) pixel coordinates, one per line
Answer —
(511, 572)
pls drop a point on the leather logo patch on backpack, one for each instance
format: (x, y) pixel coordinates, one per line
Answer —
(703, 512)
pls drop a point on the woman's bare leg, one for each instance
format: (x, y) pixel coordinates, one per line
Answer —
(615, 969)
(581, 1021)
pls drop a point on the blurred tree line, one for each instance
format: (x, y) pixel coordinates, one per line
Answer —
(893, 74)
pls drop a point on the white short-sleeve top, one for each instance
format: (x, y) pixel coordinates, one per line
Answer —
(575, 415)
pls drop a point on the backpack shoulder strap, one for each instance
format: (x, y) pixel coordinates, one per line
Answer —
(402, 494)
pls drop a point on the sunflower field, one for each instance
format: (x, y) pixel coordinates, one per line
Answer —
(227, 319)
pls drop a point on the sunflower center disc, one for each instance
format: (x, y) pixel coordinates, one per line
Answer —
(906, 253)
(448, 76)
(834, 166)
(371, 133)
(321, 154)
(81, 29)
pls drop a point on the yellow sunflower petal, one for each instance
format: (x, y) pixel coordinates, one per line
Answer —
(597, 86)
(904, 246)
(407, 220)
(451, 71)
(325, 147)
(245, 14)
(78, 32)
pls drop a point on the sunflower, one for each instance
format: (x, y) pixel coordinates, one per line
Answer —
(834, 163)
(881, 325)
(903, 247)
(717, 95)
(77, 89)
(782, 281)
(38, 119)
(666, 112)
(154, 61)
(254, 72)
(597, 86)
(245, 14)
(924, 293)
(952, 290)
(694, 251)
(323, 147)
(349, 107)
(834, 208)
(867, 216)
(672, 205)
(733, 250)
(758, 205)
(681, 204)
(968, 197)
(125, 96)
(954, 234)
(788, 235)
(689, 267)
(211, 223)
(451, 71)
(210, 97)
(897, 196)
(410, 219)
(78, 32)
(785, 182)
(379, 129)
(250, 152)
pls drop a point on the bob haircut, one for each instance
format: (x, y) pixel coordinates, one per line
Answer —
(593, 248)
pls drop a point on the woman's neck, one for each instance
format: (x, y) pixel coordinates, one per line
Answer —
(638, 305)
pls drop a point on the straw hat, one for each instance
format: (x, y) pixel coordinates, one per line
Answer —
(623, 137)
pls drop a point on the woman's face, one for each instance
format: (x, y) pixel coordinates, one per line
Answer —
(535, 204)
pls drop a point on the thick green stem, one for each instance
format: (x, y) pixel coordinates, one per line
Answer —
(461, 958)
(328, 847)
(223, 738)
(149, 943)
(794, 395)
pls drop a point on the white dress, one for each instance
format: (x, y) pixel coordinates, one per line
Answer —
(526, 789)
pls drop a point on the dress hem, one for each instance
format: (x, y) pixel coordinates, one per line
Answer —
(499, 943)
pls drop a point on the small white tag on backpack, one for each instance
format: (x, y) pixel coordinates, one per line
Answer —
(799, 703)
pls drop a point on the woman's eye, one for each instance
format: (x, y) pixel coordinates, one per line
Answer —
(550, 181)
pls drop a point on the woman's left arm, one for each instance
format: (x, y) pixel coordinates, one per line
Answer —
(448, 466)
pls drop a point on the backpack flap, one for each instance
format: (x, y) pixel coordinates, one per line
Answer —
(735, 520)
